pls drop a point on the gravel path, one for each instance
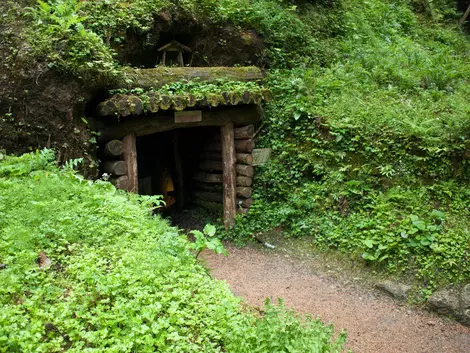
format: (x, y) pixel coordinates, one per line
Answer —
(375, 323)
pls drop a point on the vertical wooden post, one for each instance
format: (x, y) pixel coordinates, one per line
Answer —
(130, 157)
(230, 174)
(180, 198)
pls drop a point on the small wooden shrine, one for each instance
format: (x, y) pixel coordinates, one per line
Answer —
(200, 147)
(175, 48)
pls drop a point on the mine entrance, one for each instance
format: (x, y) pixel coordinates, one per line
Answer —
(169, 164)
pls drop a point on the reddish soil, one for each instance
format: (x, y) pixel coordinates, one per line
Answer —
(374, 322)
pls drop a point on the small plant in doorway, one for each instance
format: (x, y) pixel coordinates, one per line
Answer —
(206, 240)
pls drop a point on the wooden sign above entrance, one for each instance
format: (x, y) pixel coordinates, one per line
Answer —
(189, 116)
(261, 156)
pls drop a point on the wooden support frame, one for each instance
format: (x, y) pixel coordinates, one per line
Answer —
(229, 174)
(130, 157)
(111, 129)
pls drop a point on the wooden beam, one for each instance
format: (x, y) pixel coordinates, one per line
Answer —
(160, 76)
(208, 178)
(130, 157)
(115, 167)
(111, 128)
(244, 181)
(230, 174)
(245, 170)
(114, 148)
(242, 158)
(120, 182)
(244, 132)
(244, 146)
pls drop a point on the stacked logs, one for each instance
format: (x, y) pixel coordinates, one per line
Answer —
(209, 178)
(116, 168)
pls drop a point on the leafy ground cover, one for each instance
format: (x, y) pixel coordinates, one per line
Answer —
(86, 268)
(370, 147)
(369, 122)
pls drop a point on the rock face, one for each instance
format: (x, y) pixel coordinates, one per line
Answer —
(396, 290)
(444, 301)
(452, 302)
(465, 305)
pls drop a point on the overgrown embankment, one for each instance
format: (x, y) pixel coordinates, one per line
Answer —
(371, 147)
(85, 268)
(369, 124)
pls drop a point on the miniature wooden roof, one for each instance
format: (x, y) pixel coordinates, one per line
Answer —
(174, 46)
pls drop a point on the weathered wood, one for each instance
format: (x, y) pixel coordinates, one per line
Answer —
(114, 148)
(244, 181)
(180, 198)
(199, 186)
(122, 105)
(244, 158)
(241, 146)
(218, 178)
(244, 132)
(211, 165)
(121, 182)
(230, 175)
(208, 177)
(160, 76)
(244, 191)
(245, 170)
(115, 167)
(244, 146)
(244, 203)
(130, 158)
(111, 128)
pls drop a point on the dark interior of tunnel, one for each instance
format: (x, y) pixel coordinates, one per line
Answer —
(160, 155)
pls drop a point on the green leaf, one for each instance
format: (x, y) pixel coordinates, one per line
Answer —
(369, 243)
(209, 230)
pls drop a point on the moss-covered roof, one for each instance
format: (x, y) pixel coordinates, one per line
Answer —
(160, 76)
(134, 104)
(182, 88)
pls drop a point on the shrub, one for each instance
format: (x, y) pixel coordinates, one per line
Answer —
(87, 268)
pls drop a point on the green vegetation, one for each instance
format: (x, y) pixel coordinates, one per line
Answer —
(87, 268)
(370, 149)
(369, 122)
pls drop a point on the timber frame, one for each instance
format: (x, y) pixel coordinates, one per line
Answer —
(226, 161)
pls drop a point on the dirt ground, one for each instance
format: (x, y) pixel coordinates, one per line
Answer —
(374, 322)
